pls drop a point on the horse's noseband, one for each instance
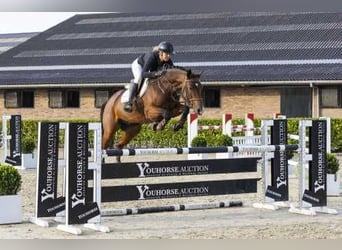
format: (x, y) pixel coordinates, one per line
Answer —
(187, 97)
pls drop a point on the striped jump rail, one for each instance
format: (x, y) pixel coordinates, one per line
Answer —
(198, 150)
(171, 208)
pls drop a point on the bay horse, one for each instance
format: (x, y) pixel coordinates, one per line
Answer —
(171, 94)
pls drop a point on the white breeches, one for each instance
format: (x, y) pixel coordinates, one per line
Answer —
(136, 69)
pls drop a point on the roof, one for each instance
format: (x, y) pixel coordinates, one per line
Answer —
(230, 47)
(8, 41)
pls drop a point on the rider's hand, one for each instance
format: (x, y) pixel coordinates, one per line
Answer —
(157, 73)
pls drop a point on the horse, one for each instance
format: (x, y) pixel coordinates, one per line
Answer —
(171, 94)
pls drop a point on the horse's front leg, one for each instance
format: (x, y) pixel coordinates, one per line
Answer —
(162, 116)
(184, 110)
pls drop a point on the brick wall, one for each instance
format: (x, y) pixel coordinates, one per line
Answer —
(42, 111)
(331, 112)
(236, 100)
(239, 101)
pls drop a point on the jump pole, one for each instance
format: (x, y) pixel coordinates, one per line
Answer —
(275, 176)
(227, 127)
(171, 208)
(48, 203)
(78, 209)
(198, 150)
(13, 140)
(313, 194)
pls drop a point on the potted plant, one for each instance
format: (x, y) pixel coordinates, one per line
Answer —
(333, 180)
(10, 200)
(27, 147)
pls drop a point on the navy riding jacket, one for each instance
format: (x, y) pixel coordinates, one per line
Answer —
(150, 63)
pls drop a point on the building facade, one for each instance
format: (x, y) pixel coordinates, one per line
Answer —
(264, 63)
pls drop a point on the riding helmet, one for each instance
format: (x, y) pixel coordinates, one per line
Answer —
(166, 47)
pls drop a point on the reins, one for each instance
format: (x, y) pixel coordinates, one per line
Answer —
(184, 90)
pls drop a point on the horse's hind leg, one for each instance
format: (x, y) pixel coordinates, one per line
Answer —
(107, 136)
(127, 135)
(109, 128)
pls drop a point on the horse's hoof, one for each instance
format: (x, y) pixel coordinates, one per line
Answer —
(177, 127)
(160, 127)
(153, 126)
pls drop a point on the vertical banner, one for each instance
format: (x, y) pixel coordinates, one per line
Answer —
(79, 209)
(15, 142)
(278, 190)
(47, 202)
(317, 193)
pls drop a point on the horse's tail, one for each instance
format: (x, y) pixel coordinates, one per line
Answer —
(101, 114)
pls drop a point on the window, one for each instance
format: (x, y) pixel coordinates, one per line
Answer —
(19, 99)
(72, 99)
(55, 99)
(211, 97)
(101, 96)
(64, 99)
(330, 97)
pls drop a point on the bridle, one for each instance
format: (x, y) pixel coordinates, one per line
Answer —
(184, 91)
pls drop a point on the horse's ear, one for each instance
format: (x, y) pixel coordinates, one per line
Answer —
(198, 74)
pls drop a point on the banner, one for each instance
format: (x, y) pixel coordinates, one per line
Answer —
(317, 193)
(48, 204)
(177, 190)
(15, 142)
(176, 168)
(278, 190)
(79, 207)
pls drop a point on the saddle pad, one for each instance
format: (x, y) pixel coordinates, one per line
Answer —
(143, 88)
(125, 97)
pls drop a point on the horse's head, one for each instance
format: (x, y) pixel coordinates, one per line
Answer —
(192, 92)
(188, 86)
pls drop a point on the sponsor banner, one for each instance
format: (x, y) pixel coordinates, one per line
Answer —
(80, 211)
(177, 190)
(48, 203)
(273, 192)
(177, 168)
(317, 173)
(279, 190)
(15, 143)
(313, 198)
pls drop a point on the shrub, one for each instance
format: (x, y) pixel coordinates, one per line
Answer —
(28, 145)
(333, 164)
(222, 140)
(10, 180)
(199, 141)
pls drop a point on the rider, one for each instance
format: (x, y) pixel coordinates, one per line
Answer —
(146, 66)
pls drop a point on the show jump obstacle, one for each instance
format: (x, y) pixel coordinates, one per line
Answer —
(82, 201)
(227, 128)
(13, 139)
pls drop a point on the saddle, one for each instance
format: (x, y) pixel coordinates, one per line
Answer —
(143, 88)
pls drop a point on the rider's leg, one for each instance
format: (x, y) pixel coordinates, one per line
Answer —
(131, 94)
(136, 69)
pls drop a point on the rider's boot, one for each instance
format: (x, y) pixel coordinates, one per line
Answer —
(131, 94)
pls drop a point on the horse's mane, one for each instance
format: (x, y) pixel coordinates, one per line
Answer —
(188, 71)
